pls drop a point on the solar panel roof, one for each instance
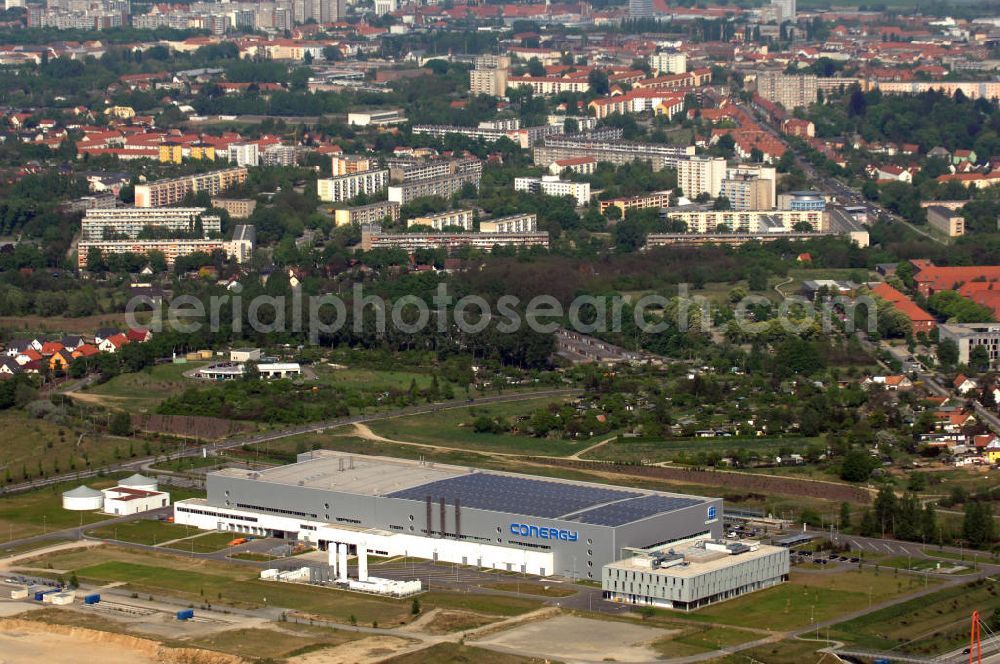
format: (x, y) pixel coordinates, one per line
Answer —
(515, 495)
(628, 511)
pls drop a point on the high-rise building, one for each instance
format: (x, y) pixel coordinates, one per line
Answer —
(750, 187)
(700, 174)
(244, 154)
(669, 63)
(640, 8)
(791, 91)
(785, 10)
(346, 187)
(491, 82)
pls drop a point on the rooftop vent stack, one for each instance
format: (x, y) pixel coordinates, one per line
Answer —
(430, 524)
(458, 519)
(443, 514)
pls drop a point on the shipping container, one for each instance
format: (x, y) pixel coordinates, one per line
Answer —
(40, 594)
(92, 599)
(185, 614)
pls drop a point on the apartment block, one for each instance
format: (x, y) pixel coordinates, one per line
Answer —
(608, 146)
(372, 214)
(790, 90)
(279, 155)
(239, 248)
(450, 219)
(490, 82)
(551, 185)
(345, 187)
(244, 154)
(657, 199)
(406, 170)
(949, 222)
(668, 63)
(747, 192)
(748, 221)
(444, 186)
(238, 208)
(346, 164)
(163, 193)
(699, 175)
(129, 223)
(410, 242)
(515, 223)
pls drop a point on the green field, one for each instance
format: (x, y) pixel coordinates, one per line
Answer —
(632, 450)
(808, 598)
(783, 652)
(142, 391)
(34, 512)
(453, 428)
(375, 379)
(280, 642)
(928, 625)
(533, 589)
(142, 531)
(207, 543)
(694, 640)
(31, 443)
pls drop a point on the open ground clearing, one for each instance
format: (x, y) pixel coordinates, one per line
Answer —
(576, 639)
(142, 391)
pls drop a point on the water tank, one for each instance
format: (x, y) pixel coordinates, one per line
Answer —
(140, 482)
(82, 498)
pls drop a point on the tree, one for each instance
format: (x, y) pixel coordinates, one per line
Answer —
(845, 516)
(415, 607)
(121, 424)
(979, 359)
(977, 526)
(535, 67)
(598, 80)
(869, 524)
(722, 203)
(857, 466)
(947, 352)
(885, 508)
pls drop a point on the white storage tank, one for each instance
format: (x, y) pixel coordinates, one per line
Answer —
(82, 498)
(140, 482)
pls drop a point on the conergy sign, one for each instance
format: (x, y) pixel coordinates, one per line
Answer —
(526, 530)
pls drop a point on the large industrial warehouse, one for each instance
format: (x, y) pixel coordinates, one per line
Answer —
(397, 507)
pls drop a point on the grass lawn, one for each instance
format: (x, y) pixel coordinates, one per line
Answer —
(783, 652)
(287, 640)
(807, 598)
(207, 543)
(191, 463)
(374, 379)
(532, 589)
(454, 653)
(8, 551)
(343, 441)
(34, 512)
(144, 390)
(969, 556)
(28, 442)
(198, 580)
(142, 531)
(694, 640)
(929, 625)
(256, 557)
(453, 428)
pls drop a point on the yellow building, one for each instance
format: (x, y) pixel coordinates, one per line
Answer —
(171, 153)
(121, 112)
(204, 151)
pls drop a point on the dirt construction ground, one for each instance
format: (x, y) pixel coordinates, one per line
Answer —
(571, 639)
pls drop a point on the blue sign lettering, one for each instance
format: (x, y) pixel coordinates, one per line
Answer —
(712, 513)
(527, 530)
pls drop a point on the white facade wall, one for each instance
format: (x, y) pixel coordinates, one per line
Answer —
(699, 175)
(113, 505)
(346, 187)
(377, 542)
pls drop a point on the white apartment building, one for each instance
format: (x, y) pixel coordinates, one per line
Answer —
(173, 190)
(669, 63)
(491, 82)
(442, 220)
(749, 221)
(750, 186)
(551, 185)
(700, 175)
(345, 187)
(244, 154)
(515, 223)
(128, 223)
